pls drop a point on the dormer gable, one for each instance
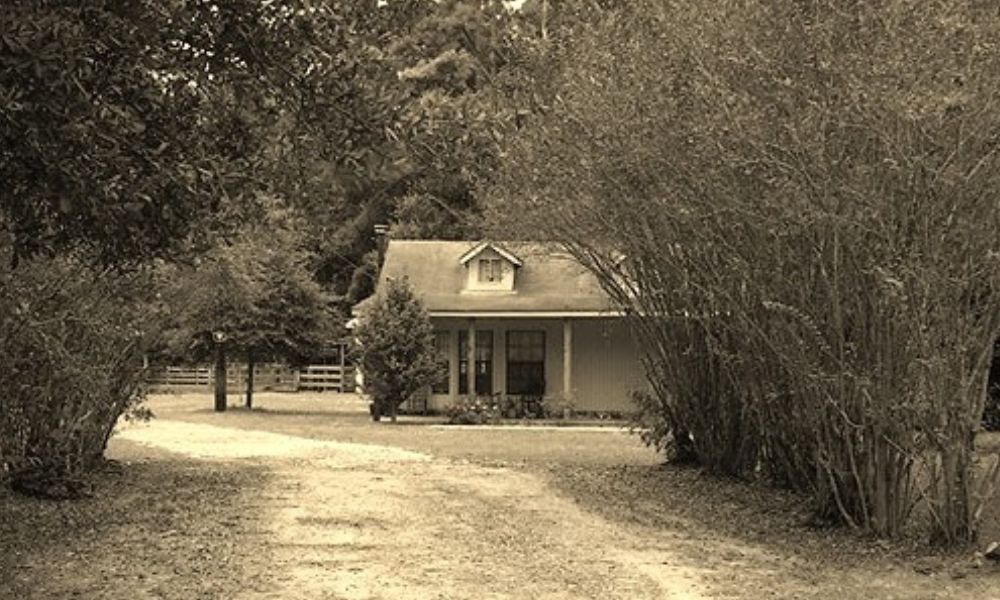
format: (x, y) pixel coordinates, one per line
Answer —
(490, 268)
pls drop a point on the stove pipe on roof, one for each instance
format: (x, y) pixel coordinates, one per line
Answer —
(381, 241)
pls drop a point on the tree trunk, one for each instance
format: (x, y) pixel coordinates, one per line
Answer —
(220, 378)
(250, 365)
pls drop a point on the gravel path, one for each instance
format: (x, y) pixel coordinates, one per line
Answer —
(358, 521)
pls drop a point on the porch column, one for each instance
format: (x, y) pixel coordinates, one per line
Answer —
(567, 359)
(470, 374)
(500, 360)
(453, 372)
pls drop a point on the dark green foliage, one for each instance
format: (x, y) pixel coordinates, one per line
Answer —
(72, 340)
(124, 126)
(475, 411)
(395, 348)
(466, 76)
(809, 187)
(258, 290)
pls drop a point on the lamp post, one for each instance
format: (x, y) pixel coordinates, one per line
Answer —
(219, 337)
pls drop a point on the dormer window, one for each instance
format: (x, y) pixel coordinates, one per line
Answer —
(490, 270)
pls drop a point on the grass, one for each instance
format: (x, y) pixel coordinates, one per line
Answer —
(614, 475)
(752, 540)
(155, 524)
(345, 418)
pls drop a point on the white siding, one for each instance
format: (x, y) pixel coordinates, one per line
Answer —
(606, 365)
(605, 362)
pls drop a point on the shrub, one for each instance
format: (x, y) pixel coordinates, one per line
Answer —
(71, 343)
(477, 410)
(395, 348)
(798, 216)
(558, 406)
(491, 409)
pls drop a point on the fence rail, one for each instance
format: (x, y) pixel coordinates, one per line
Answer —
(265, 377)
(183, 376)
(326, 377)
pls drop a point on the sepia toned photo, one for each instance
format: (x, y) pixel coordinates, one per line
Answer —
(499, 299)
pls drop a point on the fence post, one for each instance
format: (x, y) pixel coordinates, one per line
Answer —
(343, 376)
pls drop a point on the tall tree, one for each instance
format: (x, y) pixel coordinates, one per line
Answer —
(795, 202)
(465, 67)
(124, 125)
(257, 292)
(460, 73)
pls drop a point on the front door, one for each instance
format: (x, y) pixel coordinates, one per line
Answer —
(484, 362)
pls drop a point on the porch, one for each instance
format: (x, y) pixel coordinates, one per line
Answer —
(589, 363)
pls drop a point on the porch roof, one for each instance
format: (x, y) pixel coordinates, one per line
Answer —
(549, 282)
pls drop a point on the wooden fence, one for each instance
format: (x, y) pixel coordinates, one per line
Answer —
(327, 377)
(266, 377)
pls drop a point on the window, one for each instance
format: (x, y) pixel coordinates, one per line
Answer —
(442, 343)
(526, 362)
(484, 362)
(490, 270)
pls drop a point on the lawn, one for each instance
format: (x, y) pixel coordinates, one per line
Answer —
(611, 473)
(345, 418)
(753, 541)
(156, 524)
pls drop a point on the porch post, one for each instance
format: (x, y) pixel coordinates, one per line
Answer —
(567, 358)
(453, 359)
(500, 360)
(470, 374)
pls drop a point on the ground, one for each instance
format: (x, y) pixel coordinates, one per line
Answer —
(305, 498)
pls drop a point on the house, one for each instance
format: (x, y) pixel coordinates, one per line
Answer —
(530, 320)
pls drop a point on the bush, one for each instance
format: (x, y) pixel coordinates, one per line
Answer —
(491, 409)
(478, 410)
(395, 348)
(798, 216)
(558, 407)
(71, 343)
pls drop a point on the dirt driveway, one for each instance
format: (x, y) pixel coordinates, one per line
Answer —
(359, 521)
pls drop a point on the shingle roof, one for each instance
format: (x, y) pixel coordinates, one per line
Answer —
(549, 281)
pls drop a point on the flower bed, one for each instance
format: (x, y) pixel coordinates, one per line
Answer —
(494, 408)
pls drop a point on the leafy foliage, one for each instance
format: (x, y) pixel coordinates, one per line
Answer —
(395, 348)
(466, 75)
(125, 126)
(491, 409)
(72, 341)
(475, 410)
(258, 290)
(794, 202)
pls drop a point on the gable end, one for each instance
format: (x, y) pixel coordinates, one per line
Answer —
(483, 246)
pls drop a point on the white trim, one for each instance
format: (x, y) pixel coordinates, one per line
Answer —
(480, 247)
(524, 314)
